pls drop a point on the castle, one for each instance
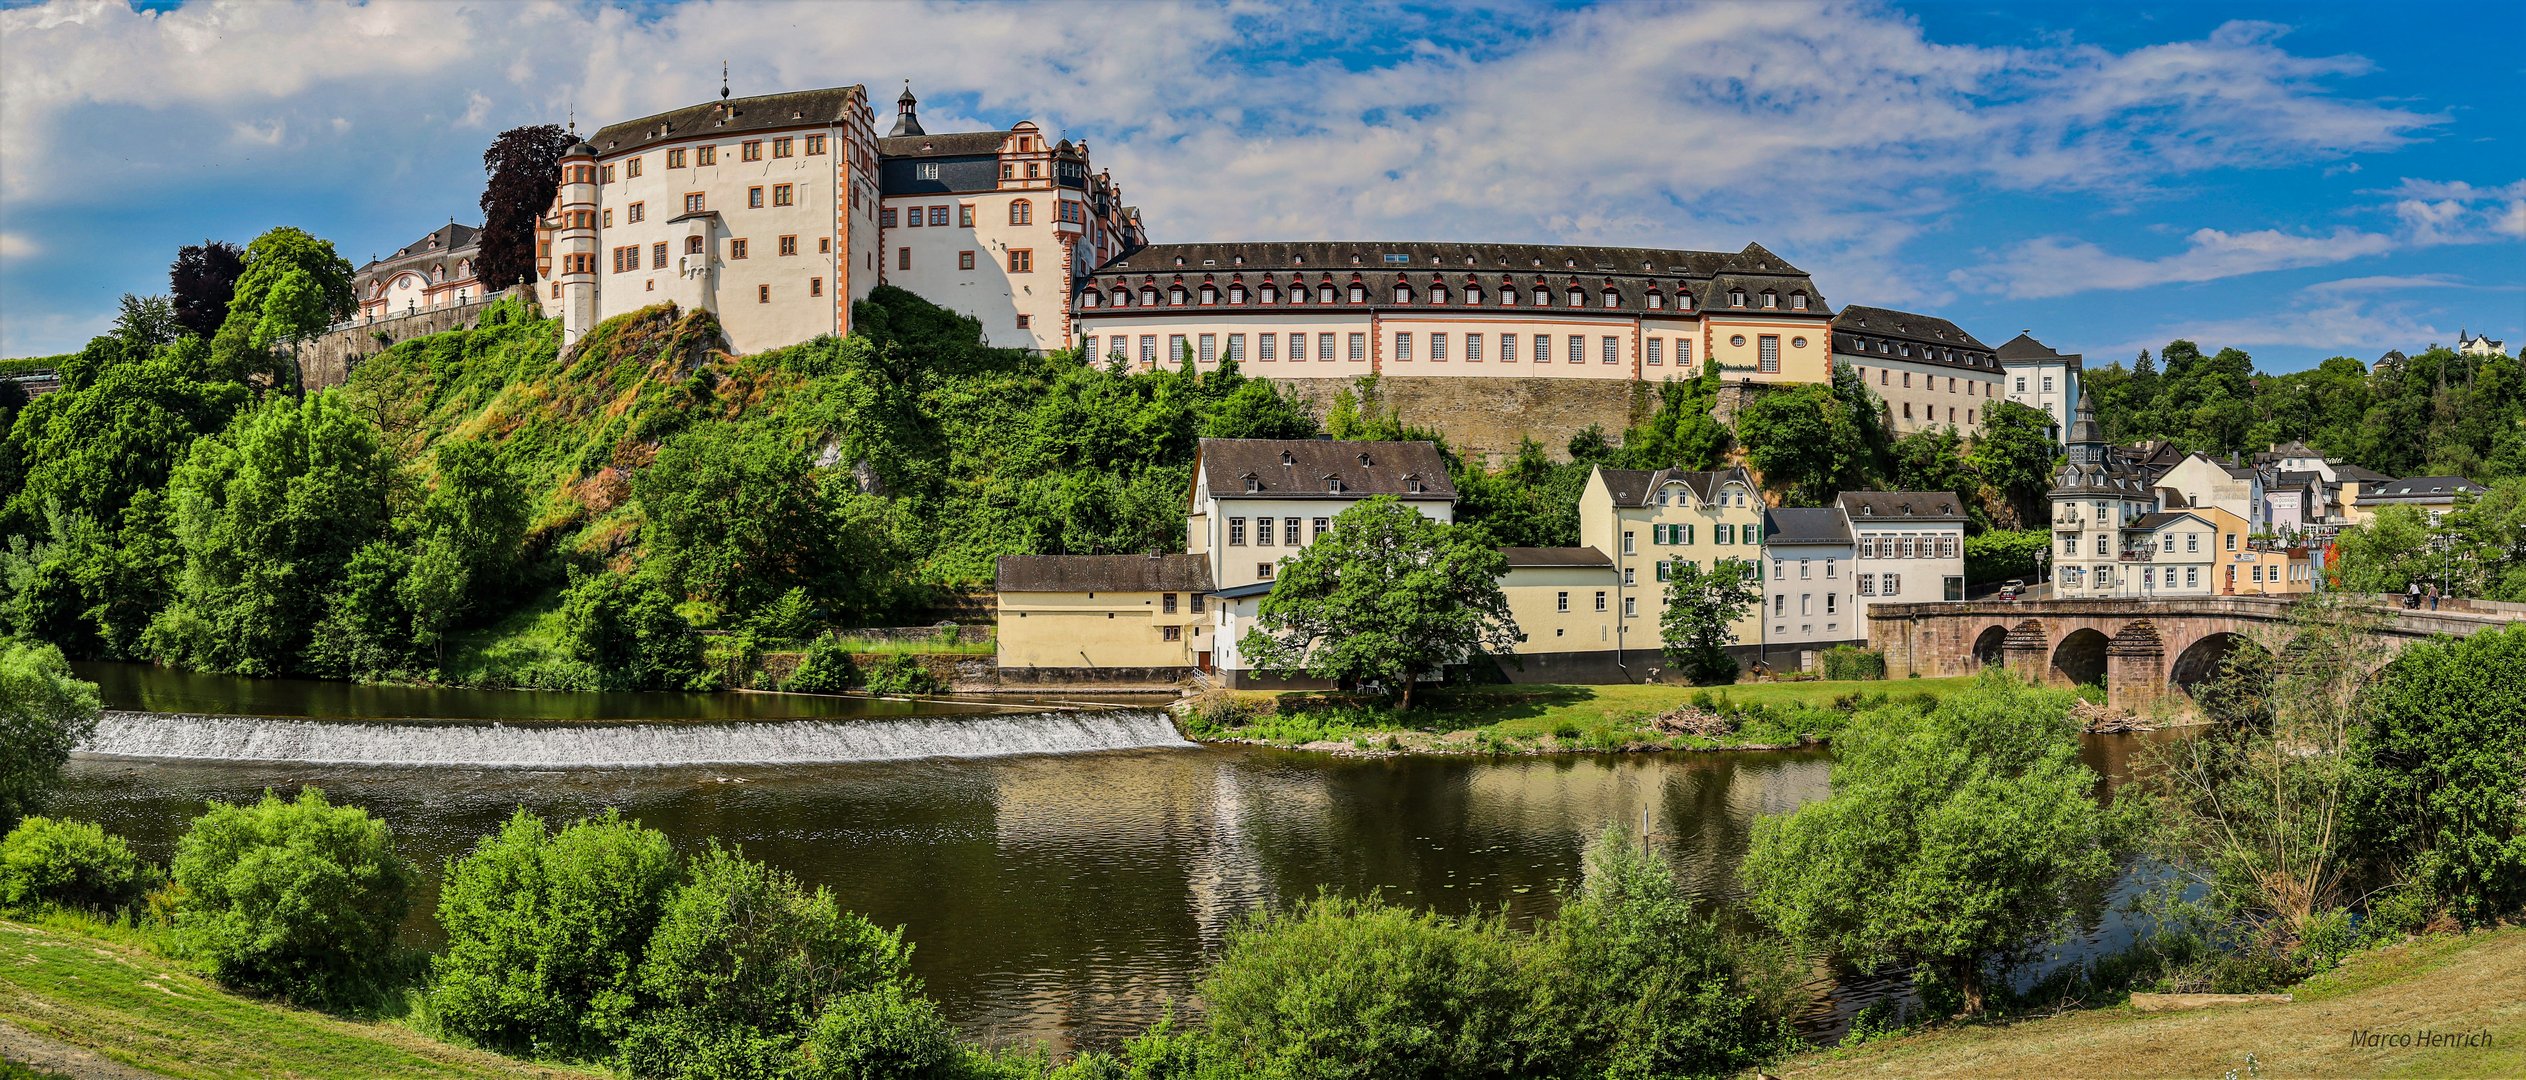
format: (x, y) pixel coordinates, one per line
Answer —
(778, 212)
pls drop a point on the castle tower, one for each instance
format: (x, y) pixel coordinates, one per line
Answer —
(574, 246)
(906, 122)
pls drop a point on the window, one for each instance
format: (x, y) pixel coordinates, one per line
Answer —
(1600, 599)
(762, 294)
(692, 245)
(1683, 351)
(965, 261)
(1806, 567)
(938, 215)
(1438, 348)
(1324, 348)
(1612, 298)
(1767, 352)
(609, 219)
(1631, 577)
(965, 215)
(815, 286)
(2100, 545)
(751, 151)
(754, 198)
(1359, 292)
(784, 194)
(606, 174)
(784, 147)
(1316, 528)
(1868, 585)
(2047, 384)
(1628, 547)
(1724, 534)
(1236, 347)
(1473, 348)
(1736, 341)
(675, 159)
(1021, 260)
(1736, 298)
(1657, 351)
(815, 144)
(1359, 347)
(1578, 349)
(1176, 350)
(658, 255)
(1798, 301)
(886, 218)
(903, 258)
(789, 245)
(1170, 632)
(1561, 601)
(1197, 607)
(1210, 355)
(2192, 576)
(1631, 604)
(1289, 530)
(1263, 570)
(1780, 604)
(1403, 346)
(1893, 584)
(2232, 539)
(927, 170)
(1236, 532)
(635, 212)
(706, 155)
(1613, 347)
(1148, 348)
(1022, 212)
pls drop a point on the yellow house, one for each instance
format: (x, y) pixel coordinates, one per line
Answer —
(2271, 572)
(1563, 600)
(1103, 618)
(1646, 521)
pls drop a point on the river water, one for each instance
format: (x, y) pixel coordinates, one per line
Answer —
(1057, 896)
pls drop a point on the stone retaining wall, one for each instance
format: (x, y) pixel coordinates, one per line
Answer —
(327, 359)
(1484, 417)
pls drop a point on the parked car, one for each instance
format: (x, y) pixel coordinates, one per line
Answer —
(2010, 589)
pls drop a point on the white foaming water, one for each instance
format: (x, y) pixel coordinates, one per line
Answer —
(620, 746)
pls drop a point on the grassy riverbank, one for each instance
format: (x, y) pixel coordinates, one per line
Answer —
(100, 991)
(2456, 985)
(1546, 718)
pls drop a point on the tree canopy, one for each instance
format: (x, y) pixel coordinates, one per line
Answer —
(1701, 608)
(524, 171)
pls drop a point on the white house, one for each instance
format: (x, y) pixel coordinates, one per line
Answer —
(1908, 547)
(1807, 601)
(2035, 376)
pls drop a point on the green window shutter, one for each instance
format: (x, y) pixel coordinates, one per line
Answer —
(1688, 535)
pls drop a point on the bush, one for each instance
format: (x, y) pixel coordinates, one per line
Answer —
(881, 1034)
(1853, 662)
(544, 933)
(742, 964)
(825, 668)
(69, 864)
(44, 711)
(628, 632)
(299, 899)
(902, 674)
(2439, 771)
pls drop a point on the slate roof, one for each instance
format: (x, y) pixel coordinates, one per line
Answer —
(736, 116)
(951, 144)
(2359, 474)
(2300, 479)
(1297, 468)
(1794, 526)
(1104, 573)
(2418, 489)
(1859, 330)
(1635, 487)
(1705, 277)
(1901, 506)
(437, 243)
(2024, 349)
(1555, 556)
(2161, 519)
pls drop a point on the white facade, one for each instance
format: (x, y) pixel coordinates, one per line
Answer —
(1907, 547)
(2035, 376)
(1929, 371)
(1808, 600)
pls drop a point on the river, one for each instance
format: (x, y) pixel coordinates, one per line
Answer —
(1061, 897)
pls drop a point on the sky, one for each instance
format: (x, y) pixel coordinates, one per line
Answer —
(2299, 180)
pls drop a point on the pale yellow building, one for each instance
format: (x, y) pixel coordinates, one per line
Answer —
(1563, 600)
(1117, 618)
(1647, 521)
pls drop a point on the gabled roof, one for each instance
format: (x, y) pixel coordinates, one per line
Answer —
(737, 116)
(1864, 506)
(951, 144)
(1104, 573)
(2164, 518)
(2359, 474)
(2024, 349)
(2418, 489)
(1300, 468)
(1555, 556)
(445, 240)
(1636, 487)
(1788, 526)
(1907, 326)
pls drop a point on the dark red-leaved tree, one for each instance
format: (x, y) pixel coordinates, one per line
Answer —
(524, 166)
(203, 278)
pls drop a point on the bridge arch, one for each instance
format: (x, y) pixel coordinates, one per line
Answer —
(2080, 656)
(2206, 657)
(1989, 647)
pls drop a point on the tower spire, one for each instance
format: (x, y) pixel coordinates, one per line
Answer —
(907, 122)
(723, 80)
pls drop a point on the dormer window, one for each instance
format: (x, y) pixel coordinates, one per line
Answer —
(1270, 295)
(1236, 294)
(1324, 293)
(1403, 294)
(1771, 299)
(1612, 298)
(1253, 483)
(1092, 298)
(1543, 297)
(1797, 301)
(1412, 484)
(1210, 295)
(1148, 297)
(1438, 295)
(1683, 301)
(1176, 296)
(1288, 458)
(1657, 300)
(1333, 484)
(1363, 461)
(1473, 295)
(1736, 298)
(1359, 293)
(1578, 299)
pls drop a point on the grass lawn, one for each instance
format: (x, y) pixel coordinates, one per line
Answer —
(2463, 984)
(134, 1006)
(1541, 716)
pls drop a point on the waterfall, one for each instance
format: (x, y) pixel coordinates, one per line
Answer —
(617, 746)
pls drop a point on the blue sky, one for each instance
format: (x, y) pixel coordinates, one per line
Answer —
(2298, 180)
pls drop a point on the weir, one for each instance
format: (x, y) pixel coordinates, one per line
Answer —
(190, 737)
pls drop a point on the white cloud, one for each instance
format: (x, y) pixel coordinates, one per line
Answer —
(2389, 283)
(2058, 266)
(2330, 326)
(19, 246)
(2456, 212)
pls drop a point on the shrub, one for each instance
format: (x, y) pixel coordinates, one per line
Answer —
(826, 668)
(44, 712)
(298, 898)
(1853, 662)
(742, 963)
(70, 864)
(881, 1034)
(544, 933)
(903, 675)
(2438, 771)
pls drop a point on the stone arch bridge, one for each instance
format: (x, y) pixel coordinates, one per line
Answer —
(2139, 649)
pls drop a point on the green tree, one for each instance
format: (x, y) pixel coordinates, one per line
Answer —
(2014, 455)
(2000, 554)
(2489, 534)
(743, 961)
(1814, 441)
(738, 519)
(2438, 771)
(268, 514)
(299, 899)
(147, 322)
(44, 712)
(71, 864)
(1958, 837)
(2390, 551)
(544, 932)
(1701, 607)
(1384, 596)
(293, 286)
(1682, 433)
(627, 630)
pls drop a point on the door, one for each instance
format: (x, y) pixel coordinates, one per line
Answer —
(1201, 659)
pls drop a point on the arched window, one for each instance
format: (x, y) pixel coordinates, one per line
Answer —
(692, 245)
(438, 274)
(464, 269)
(1022, 212)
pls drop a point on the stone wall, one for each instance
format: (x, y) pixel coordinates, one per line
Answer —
(1485, 417)
(327, 359)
